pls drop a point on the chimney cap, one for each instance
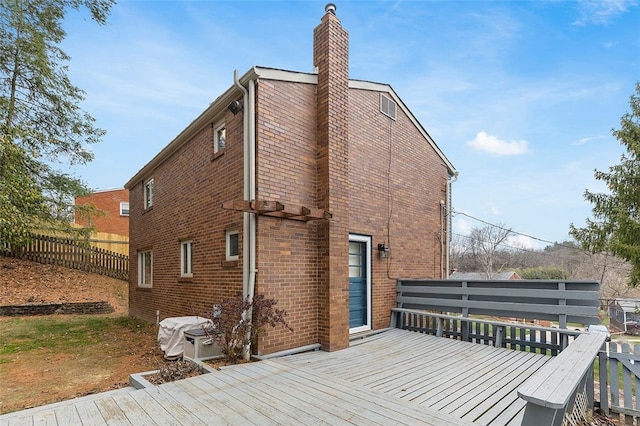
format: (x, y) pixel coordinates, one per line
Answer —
(330, 8)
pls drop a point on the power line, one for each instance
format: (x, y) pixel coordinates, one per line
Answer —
(538, 252)
(455, 212)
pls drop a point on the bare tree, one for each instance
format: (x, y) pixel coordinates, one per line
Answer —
(485, 243)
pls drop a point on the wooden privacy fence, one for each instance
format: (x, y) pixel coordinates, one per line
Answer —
(73, 254)
(619, 379)
(561, 301)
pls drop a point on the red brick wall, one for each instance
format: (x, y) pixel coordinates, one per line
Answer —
(109, 202)
(189, 189)
(292, 256)
(324, 146)
(287, 250)
(397, 182)
(331, 56)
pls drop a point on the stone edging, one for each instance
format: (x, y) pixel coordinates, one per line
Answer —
(83, 308)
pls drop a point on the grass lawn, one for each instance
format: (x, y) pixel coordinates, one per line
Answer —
(51, 358)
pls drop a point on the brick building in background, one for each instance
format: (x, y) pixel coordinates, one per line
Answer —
(311, 188)
(114, 216)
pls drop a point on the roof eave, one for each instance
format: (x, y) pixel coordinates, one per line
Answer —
(216, 108)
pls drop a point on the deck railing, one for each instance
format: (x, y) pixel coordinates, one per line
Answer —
(520, 337)
(561, 390)
(564, 302)
(71, 253)
(619, 379)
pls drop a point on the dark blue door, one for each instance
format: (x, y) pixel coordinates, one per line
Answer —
(358, 315)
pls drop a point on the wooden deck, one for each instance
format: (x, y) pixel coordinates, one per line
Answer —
(395, 377)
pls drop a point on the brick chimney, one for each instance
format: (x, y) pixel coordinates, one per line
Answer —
(331, 58)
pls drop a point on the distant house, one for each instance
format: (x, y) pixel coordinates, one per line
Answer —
(114, 218)
(624, 315)
(477, 276)
(314, 189)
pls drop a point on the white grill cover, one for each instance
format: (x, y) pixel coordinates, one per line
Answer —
(171, 333)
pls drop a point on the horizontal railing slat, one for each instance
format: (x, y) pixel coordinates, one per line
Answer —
(506, 306)
(513, 291)
(561, 301)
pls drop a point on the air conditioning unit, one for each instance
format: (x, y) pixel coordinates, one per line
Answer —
(197, 344)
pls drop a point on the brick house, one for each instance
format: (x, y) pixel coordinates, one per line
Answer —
(115, 205)
(311, 188)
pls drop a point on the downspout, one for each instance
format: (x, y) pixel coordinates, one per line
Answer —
(252, 186)
(246, 236)
(249, 179)
(449, 220)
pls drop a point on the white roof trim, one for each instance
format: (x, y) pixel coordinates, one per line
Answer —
(216, 108)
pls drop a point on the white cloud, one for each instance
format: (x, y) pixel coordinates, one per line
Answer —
(522, 241)
(586, 140)
(462, 226)
(601, 12)
(493, 145)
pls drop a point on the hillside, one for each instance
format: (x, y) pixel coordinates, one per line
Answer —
(25, 282)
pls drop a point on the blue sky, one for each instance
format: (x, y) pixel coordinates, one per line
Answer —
(521, 96)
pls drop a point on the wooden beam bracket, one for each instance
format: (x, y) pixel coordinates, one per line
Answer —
(277, 209)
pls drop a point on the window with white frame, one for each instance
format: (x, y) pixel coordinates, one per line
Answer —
(186, 258)
(124, 208)
(145, 268)
(148, 193)
(233, 246)
(219, 137)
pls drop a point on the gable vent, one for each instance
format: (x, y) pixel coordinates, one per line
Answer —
(387, 106)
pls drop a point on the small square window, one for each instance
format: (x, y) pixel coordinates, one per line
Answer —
(148, 194)
(219, 137)
(145, 268)
(233, 245)
(186, 258)
(124, 209)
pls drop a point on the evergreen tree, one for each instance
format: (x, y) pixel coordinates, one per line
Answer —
(41, 122)
(615, 227)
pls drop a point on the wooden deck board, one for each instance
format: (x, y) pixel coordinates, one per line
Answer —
(395, 410)
(111, 413)
(493, 398)
(262, 399)
(465, 384)
(45, 419)
(314, 400)
(151, 405)
(135, 413)
(471, 381)
(306, 405)
(89, 412)
(394, 377)
(458, 370)
(178, 410)
(67, 414)
(214, 406)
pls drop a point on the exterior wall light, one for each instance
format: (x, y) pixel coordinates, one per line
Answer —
(383, 250)
(235, 107)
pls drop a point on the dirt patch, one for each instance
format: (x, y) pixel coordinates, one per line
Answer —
(24, 282)
(45, 375)
(30, 378)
